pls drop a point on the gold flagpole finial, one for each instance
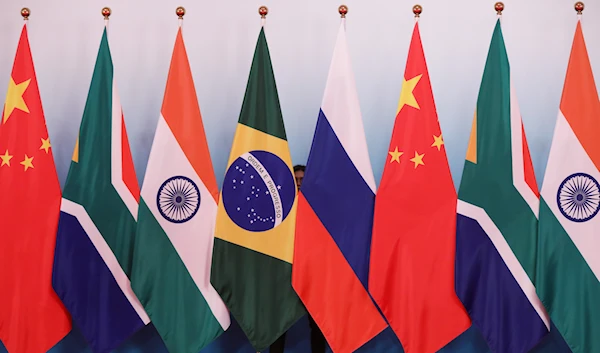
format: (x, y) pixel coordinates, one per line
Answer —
(343, 10)
(106, 12)
(180, 12)
(263, 11)
(499, 7)
(417, 10)
(25, 13)
(579, 6)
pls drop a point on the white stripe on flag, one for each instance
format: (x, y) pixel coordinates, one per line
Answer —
(509, 258)
(194, 239)
(106, 253)
(567, 157)
(342, 109)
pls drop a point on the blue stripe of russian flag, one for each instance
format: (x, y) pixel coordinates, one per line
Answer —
(340, 197)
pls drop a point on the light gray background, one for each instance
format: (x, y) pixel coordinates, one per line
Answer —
(220, 37)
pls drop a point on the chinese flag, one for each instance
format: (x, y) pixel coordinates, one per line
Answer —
(32, 318)
(413, 246)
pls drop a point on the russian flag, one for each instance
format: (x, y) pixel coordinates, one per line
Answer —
(335, 216)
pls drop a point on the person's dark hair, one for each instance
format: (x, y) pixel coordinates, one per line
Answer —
(299, 168)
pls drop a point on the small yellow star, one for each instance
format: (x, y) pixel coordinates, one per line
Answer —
(14, 98)
(27, 162)
(5, 159)
(406, 95)
(395, 155)
(438, 141)
(418, 159)
(45, 144)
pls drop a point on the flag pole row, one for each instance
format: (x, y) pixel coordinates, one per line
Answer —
(249, 251)
(342, 9)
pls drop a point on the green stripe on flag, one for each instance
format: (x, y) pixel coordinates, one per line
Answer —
(574, 313)
(159, 274)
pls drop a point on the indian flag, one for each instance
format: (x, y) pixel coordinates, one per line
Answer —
(568, 267)
(176, 220)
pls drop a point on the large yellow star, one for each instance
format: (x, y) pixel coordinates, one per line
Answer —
(14, 98)
(5, 159)
(438, 141)
(406, 95)
(418, 159)
(27, 162)
(395, 155)
(45, 144)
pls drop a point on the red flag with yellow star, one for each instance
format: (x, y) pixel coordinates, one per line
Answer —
(412, 252)
(32, 318)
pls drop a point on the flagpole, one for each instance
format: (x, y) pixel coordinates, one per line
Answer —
(263, 11)
(25, 13)
(106, 13)
(180, 12)
(499, 7)
(417, 10)
(579, 6)
(343, 10)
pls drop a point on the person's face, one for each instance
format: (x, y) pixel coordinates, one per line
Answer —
(299, 174)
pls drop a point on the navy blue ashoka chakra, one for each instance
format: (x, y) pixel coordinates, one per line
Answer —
(178, 199)
(578, 197)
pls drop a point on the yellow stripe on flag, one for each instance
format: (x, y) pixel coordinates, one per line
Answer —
(76, 151)
(472, 149)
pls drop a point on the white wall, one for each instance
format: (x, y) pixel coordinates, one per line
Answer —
(220, 38)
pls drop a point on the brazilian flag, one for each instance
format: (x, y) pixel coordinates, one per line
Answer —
(256, 219)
